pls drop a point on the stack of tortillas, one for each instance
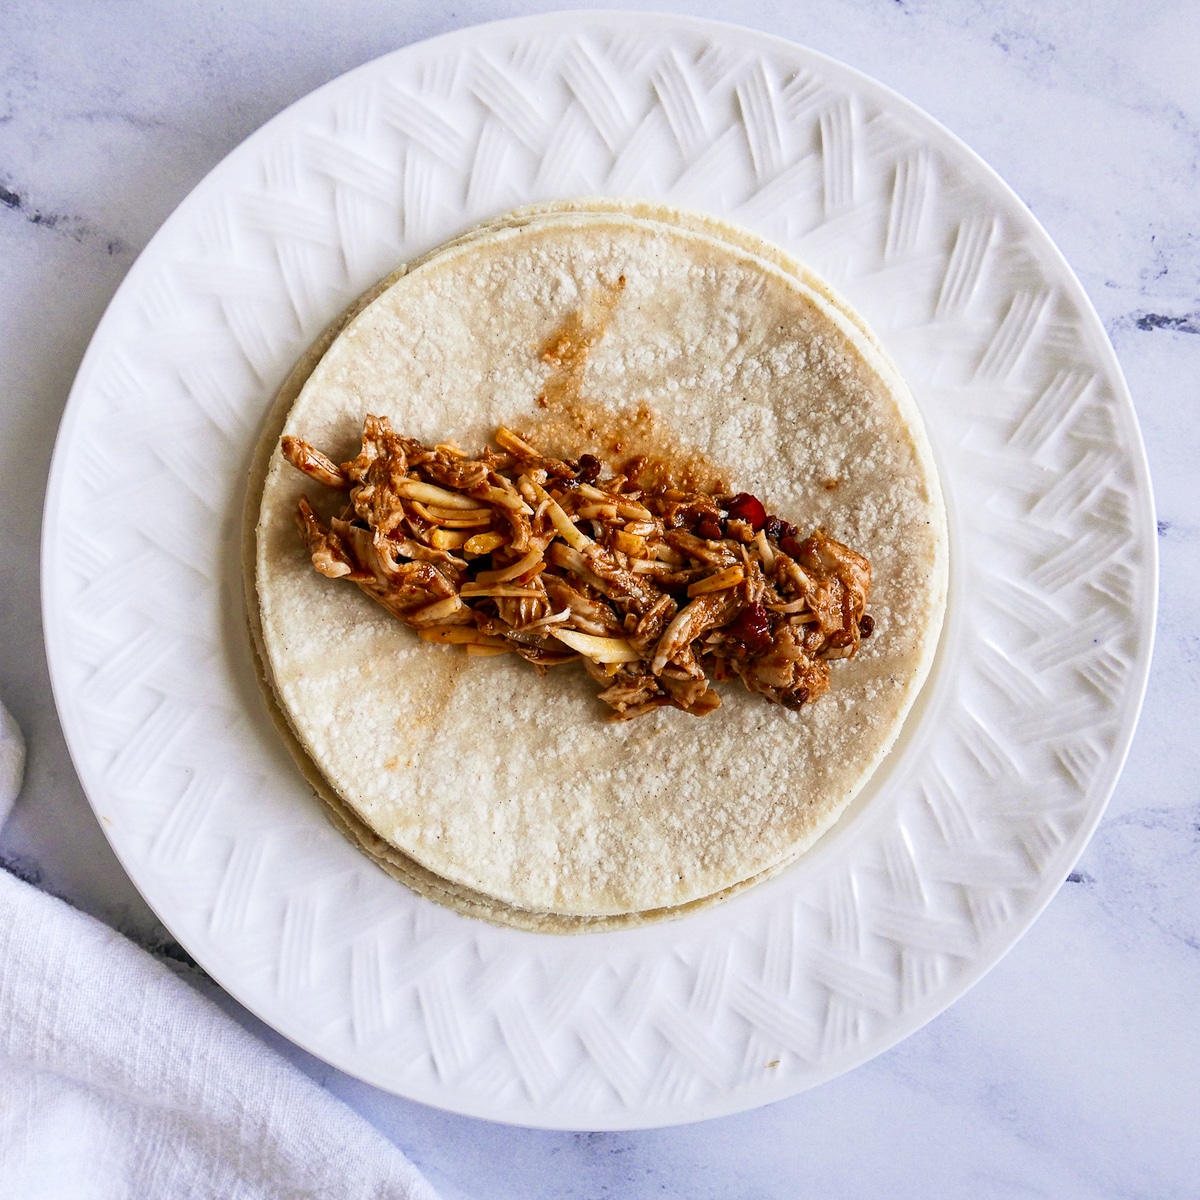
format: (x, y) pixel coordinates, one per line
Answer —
(507, 796)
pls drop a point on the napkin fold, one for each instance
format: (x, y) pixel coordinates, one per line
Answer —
(117, 1079)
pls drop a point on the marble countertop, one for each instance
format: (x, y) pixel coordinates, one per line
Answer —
(1073, 1068)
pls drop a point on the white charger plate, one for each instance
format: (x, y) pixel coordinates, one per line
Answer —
(1002, 772)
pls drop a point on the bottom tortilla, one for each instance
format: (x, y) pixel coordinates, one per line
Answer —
(426, 882)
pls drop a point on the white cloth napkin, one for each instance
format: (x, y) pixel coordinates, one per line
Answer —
(118, 1080)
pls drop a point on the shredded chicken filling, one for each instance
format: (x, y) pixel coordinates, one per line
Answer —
(658, 592)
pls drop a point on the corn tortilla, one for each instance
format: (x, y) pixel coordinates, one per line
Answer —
(506, 795)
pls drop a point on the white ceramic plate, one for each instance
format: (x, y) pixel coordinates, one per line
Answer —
(1004, 768)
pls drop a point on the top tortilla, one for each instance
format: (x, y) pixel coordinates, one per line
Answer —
(513, 786)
